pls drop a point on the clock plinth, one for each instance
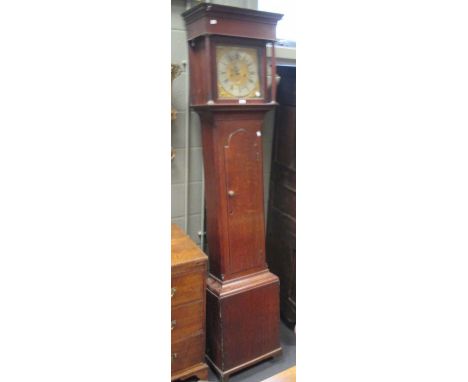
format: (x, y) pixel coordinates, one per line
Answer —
(242, 322)
(228, 88)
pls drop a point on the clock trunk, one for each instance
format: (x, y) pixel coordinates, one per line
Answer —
(232, 155)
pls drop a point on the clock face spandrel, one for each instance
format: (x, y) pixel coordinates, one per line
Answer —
(237, 72)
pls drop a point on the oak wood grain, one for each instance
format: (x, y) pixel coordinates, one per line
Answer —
(187, 352)
(221, 20)
(200, 370)
(187, 319)
(184, 252)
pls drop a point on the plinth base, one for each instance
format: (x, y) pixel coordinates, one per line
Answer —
(224, 375)
(242, 322)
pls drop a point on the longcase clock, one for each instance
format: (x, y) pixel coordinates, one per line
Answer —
(228, 89)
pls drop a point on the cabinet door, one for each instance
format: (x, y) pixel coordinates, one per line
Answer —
(244, 189)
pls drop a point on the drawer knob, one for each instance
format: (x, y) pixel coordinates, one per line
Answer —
(173, 324)
(173, 356)
(173, 290)
(231, 193)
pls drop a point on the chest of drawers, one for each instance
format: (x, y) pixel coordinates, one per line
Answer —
(188, 282)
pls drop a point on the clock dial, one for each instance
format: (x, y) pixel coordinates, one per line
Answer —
(238, 72)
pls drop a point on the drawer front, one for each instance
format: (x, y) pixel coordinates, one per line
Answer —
(187, 352)
(186, 320)
(187, 288)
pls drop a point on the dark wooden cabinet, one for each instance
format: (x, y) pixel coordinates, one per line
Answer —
(228, 88)
(281, 230)
(188, 283)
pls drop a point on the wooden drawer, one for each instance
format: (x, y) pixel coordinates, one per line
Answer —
(187, 352)
(186, 320)
(187, 288)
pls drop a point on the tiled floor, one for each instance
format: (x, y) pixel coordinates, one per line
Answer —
(269, 367)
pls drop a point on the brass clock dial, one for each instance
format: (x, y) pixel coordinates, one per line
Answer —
(237, 72)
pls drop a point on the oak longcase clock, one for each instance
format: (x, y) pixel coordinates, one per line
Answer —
(228, 89)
